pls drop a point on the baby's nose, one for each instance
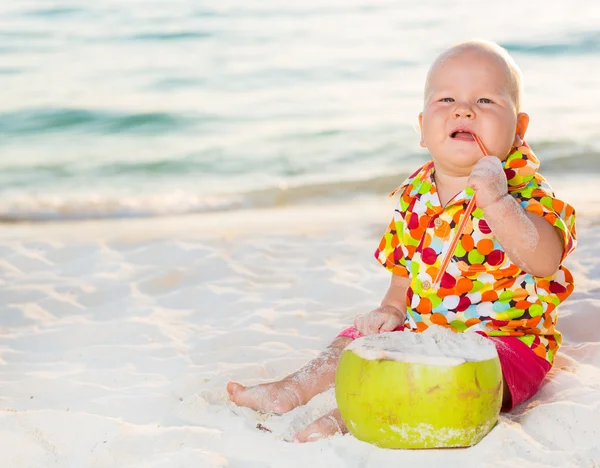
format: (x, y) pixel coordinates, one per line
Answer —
(462, 110)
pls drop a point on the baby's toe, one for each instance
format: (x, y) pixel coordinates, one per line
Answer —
(234, 389)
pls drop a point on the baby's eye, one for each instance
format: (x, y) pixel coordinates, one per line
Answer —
(484, 101)
(447, 99)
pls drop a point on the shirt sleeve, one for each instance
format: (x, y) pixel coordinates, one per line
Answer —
(390, 253)
(538, 198)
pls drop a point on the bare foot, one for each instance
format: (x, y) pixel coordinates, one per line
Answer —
(325, 426)
(275, 397)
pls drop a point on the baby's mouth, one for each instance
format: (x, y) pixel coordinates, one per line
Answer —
(462, 135)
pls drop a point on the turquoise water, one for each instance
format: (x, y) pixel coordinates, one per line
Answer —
(137, 108)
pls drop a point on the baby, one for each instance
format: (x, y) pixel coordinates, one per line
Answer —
(502, 276)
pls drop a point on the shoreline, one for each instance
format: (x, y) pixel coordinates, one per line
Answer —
(304, 219)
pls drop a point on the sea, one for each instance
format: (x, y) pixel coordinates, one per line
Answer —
(137, 108)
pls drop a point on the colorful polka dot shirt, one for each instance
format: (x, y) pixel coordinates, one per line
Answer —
(480, 288)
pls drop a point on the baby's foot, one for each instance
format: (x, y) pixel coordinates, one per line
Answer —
(325, 426)
(275, 397)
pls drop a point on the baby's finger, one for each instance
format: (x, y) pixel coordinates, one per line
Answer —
(380, 323)
(366, 324)
(359, 323)
(390, 324)
(488, 161)
(357, 320)
(372, 323)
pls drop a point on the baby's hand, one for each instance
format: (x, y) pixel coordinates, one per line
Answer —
(488, 180)
(383, 319)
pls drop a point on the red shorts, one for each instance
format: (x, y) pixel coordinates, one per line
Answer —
(523, 370)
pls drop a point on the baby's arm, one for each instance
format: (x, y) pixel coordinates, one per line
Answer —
(531, 243)
(392, 312)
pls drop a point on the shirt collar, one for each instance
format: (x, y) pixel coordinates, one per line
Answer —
(520, 167)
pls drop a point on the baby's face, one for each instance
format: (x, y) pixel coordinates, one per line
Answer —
(469, 93)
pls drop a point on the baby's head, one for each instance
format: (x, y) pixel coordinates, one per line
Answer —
(474, 87)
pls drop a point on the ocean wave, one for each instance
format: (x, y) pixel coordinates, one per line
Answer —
(54, 12)
(586, 162)
(26, 41)
(298, 10)
(44, 120)
(11, 71)
(38, 208)
(171, 36)
(44, 205)
(49, 207)
(580, 43)
(208, 164)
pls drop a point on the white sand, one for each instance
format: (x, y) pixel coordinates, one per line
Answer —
(117, 340)
(437, 346)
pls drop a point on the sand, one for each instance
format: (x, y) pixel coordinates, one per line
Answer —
(118, 337)
(436, 346)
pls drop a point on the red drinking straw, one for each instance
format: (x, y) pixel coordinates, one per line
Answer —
(461, 226)
(481, 147)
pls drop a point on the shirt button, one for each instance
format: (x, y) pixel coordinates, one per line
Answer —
(438, 222)
(426, 285)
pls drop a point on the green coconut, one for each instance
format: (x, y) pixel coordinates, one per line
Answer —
(420, 390)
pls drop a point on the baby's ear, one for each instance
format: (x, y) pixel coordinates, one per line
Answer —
(422, 142)
(522, 124)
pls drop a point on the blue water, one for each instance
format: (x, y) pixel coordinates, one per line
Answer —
(136, 108)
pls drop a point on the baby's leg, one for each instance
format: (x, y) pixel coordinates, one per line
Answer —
(296, 389)
(325, 426)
